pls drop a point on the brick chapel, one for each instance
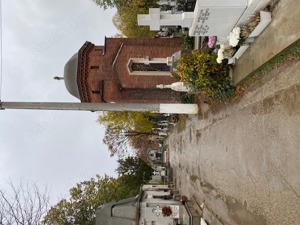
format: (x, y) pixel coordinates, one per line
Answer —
(123, 70)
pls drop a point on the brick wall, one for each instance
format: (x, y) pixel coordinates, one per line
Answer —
(118, 85)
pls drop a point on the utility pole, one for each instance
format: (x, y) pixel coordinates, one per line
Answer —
(117, 107)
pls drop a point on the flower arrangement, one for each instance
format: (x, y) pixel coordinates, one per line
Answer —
(229, 52)
(221, 54)
(234, 36)
(250, 25)
(211, 41)
(166, 211)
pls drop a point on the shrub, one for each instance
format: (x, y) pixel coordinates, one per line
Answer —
(201, 72)
(186, 97)
(188, 41)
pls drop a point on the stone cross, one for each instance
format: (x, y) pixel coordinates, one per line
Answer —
(157, 18)
(157, 210)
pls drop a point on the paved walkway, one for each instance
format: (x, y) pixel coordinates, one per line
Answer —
(281, 32)
(244, 160)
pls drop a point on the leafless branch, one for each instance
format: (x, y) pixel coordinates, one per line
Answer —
(25, 204)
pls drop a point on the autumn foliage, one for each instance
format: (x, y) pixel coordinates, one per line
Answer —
(201, 72)
(125, 19)
(126, 131)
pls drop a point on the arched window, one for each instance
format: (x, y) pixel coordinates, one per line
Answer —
(149, 67)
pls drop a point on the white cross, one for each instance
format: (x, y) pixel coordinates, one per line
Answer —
(156, 18)
(152, 19)
(157, 210)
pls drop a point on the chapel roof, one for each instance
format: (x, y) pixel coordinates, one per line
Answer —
(70, 76)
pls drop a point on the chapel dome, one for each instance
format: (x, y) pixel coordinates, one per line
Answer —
(70, 76)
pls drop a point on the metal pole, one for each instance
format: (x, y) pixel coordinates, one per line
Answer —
(118, 107)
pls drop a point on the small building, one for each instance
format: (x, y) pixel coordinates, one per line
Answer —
(123, 70)
(159, 174)
(155, 155)
(153, 205)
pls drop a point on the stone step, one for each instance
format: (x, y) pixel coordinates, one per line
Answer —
(193, 214)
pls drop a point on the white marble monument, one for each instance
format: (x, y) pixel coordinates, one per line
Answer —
(210, 17)
(157, 18)
(216, 17)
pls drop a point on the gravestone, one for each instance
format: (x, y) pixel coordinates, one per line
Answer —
(216, 17)
(210, 17)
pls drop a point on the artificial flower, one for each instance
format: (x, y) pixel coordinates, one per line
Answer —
(220, 54)
(234, 36)
(219, 60)
(211, 41)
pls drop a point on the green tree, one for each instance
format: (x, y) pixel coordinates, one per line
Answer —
(125, 19)
(134, 171)
(85, 198)
(112, 3)
(127, 120)
(105, 3)
(88, 195)
(126, 22)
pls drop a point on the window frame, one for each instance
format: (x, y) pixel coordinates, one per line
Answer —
(146, 60)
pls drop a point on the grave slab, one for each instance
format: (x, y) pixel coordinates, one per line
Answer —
(216, 17)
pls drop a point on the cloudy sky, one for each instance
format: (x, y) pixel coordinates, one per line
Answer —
(54, 148)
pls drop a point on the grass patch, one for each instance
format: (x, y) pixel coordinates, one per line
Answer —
(289, 54)
(232, 95)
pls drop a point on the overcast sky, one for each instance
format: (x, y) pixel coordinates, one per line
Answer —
(54, 148)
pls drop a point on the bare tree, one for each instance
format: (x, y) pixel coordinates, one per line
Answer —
(118, 139)
(25, 204)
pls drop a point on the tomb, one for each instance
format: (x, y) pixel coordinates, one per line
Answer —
(210, 17)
